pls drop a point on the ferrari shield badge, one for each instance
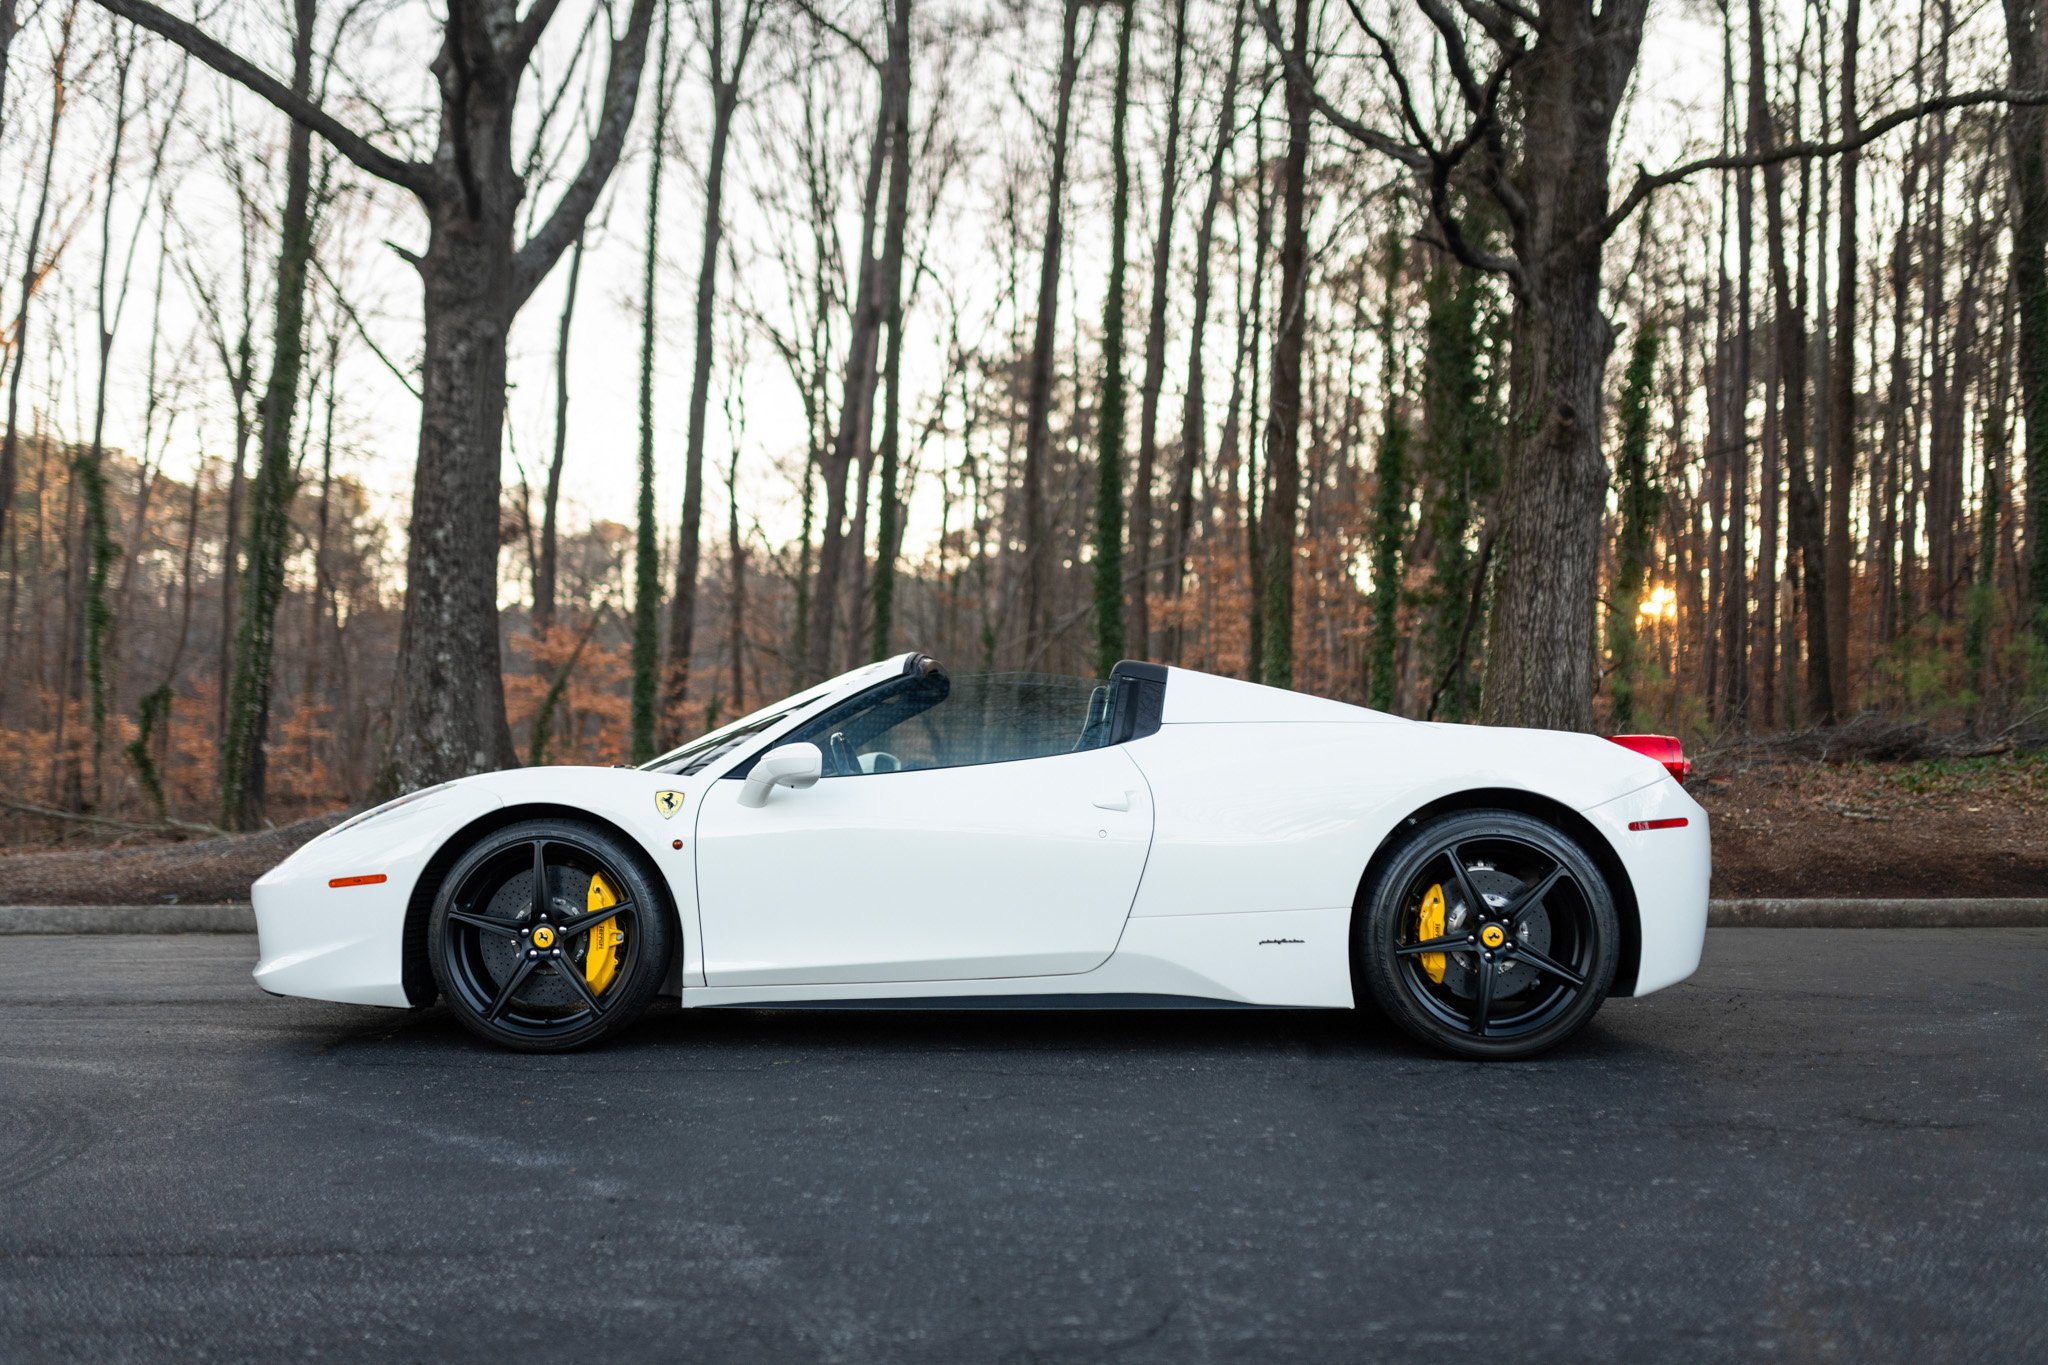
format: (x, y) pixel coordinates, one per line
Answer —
(668, 803)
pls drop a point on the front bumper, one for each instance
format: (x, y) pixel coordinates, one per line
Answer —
(348, 943)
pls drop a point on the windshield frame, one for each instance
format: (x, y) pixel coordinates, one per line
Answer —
(793, 710)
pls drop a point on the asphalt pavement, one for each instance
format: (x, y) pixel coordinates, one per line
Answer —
(1830, 1145)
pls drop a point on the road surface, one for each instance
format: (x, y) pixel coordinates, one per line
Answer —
(1830, 1145)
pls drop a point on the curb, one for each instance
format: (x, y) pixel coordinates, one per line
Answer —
(1961, 913)
(2013, 913)
(127, 919)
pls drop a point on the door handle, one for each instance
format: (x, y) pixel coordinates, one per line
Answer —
(1113, 800)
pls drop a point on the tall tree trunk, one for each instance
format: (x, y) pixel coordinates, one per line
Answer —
(1735, 615)
(1154, 377)
(736, 563)
(241, 366)
(1807, 530)
(682, 619)
(97, 548)
(1038, 401)
(646, 545)
(10, 443)
(1546, 572)
(1194, 422)
(1278, 528)
(1392, 487)
(243, 745)
(546, 562)
(1109, 417)
(319, 601)
(2027, 130)
(1254, 358)
(856, 416)
(1842, 381)
(896, 224)
(1640, 497)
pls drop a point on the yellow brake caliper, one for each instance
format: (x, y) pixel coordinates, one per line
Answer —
(1431, 925)
(601, 959)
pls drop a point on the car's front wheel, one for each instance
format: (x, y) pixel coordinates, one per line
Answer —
(1488, 934)
(548, 935)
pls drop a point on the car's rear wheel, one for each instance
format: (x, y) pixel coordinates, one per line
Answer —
(548, 935)
(1489, 934)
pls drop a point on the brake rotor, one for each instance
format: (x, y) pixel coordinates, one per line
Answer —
(572, 894)
(1456, 970)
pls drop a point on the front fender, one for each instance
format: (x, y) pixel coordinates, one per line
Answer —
(345, 943)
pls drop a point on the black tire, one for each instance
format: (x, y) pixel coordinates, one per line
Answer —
(1512, 980)
(519, 970)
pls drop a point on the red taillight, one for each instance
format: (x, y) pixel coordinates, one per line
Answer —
(1663, 748)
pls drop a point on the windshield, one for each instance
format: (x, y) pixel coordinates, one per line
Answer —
(707, 748)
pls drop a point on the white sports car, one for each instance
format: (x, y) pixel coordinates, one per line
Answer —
(901, 836)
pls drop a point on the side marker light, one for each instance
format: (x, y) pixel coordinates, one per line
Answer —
(372, 879)
(1674, 822)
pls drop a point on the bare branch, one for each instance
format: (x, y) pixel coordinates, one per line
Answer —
(833, 27)
(1409, 112)
(410, 175)
(348, 311)
(1297, 70)
(1454, 51)
(1647, 183)
(531, 27)
(621, 93)
(1441, 164)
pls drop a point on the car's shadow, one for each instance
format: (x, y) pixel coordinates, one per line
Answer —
(748, 1035)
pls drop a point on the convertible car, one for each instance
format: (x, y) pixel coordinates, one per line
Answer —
(902, 836)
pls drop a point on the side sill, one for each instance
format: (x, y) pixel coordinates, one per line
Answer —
(1078, 1000)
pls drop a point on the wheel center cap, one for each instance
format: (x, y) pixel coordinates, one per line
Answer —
(544, 937)
(1492, 936)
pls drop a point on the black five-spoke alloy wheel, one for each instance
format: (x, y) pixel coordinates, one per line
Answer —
(1489, 934)
(547, 935)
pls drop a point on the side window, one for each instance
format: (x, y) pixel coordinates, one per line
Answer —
(936, 721)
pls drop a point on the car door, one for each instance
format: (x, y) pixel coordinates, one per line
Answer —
(1022, 868)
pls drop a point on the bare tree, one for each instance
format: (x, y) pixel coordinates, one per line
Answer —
(646, 551)
(1109, 414)
(1808, 533)
(450, 702)
(243, 748)
(32, 260)
(2027, 135)
(728, 64)
(1194, 413)
(1154, 376)
(1278, 524)
(876, 281)
(544, 569)
(1842, 380)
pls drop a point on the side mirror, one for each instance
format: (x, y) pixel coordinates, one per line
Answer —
(791, 765)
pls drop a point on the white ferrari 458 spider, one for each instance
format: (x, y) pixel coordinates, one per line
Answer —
(902, 836)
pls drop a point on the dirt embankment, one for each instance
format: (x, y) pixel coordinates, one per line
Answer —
(213, 871)
(1948, 827)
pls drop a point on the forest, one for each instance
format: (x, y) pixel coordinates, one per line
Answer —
(395, 391)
